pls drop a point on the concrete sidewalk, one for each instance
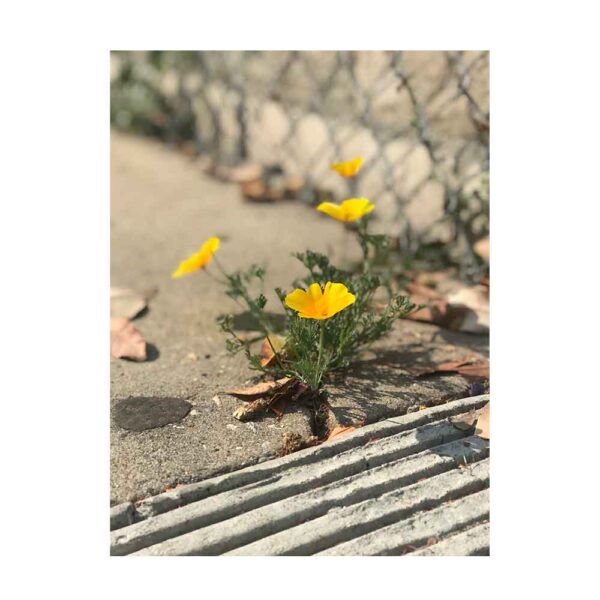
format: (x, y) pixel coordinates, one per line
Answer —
(162, 208)
(412, 484)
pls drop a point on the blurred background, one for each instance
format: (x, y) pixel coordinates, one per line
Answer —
(275, 121)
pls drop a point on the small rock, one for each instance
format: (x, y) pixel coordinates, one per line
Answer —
(139, 414)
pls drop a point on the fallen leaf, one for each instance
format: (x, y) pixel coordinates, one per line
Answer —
(251, 409)
(293, 185)
(258, 390)
(279, 407)
(277, 396)
(422, 291)
(337, 431)
(476, 301)
(254, 190)
(466, 421)
(464, 309)
(483, 423)
(127, 303)
(266, 349)
(239, 174)
(257, 191)
(470, 367)
(125, 340)
(282, 396)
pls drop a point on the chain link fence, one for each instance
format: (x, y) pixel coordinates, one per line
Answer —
(420, 119)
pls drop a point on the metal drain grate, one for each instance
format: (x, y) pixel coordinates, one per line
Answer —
(415, 484)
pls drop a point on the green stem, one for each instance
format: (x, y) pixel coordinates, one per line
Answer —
(362, 230)
(321, 340)
(220, 267)
(205, 269)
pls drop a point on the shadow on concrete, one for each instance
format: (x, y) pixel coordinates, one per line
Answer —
(152, 352)
(244, 321)
(379, 388)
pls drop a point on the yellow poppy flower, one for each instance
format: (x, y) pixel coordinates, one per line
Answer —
(348, 211)
(318, 304)
(348, 168)
(199, 260)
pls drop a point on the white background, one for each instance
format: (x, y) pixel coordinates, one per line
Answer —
(54, 236)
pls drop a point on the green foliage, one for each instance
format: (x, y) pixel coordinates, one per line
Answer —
(314, 348)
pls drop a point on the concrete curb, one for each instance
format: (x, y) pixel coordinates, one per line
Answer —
(193, 492)
(402, 537)
(321, 499)
(472, 542)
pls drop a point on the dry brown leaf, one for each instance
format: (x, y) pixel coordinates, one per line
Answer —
(478, 419)
(279, 406)
(483, 423)
(276, 397)
(126, 303)
(257, 191)
(239, 174)
(125, 340)
(466, 421)
(469, 366)
(464, 309)
(254, 190)
(251, 409)
(258, 390)
(422, 291)
(337, 431)
(266, 349)
(477, 370)
(293, 185)
(476, 301)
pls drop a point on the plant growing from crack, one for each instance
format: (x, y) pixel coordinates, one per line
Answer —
(329, 318)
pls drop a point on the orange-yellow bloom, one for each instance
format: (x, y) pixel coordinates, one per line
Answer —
(199, 260)
(319, 304)
(348, 211)
(348, 168)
